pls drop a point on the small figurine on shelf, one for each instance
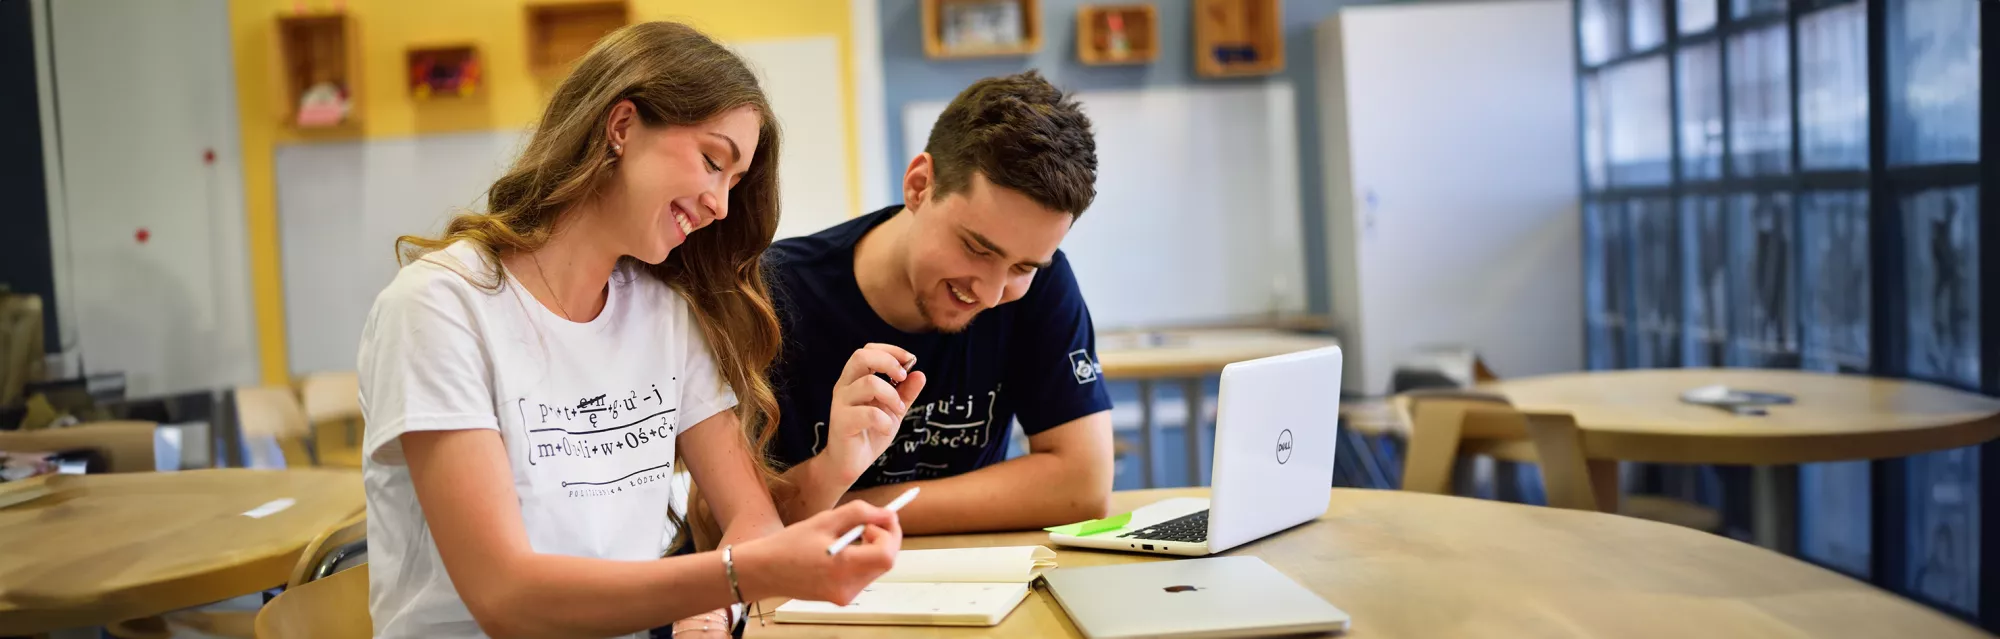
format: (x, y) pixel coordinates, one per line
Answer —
(325, 103)
(1120, 44)
(444, 75)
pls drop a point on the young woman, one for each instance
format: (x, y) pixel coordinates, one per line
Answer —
(532, 378)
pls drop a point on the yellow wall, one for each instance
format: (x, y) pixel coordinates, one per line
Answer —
(511, 97)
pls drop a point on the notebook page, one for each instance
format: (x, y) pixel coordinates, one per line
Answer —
(1006, 564)
(927, 604)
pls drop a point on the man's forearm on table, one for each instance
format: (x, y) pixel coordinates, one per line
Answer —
(1027, 492)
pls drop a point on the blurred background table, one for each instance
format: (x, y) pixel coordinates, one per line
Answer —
(106, 548)
(1637, 416)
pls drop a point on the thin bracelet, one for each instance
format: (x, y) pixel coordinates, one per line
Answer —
(729, 567)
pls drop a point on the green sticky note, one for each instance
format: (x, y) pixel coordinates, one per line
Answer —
(1092, 527)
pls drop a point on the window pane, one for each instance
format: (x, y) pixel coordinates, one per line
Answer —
(1835, 515)
(1833, 88)
(1741, 9)
(1649, 24)
(1656, 291)
(1943, 494)
(1941, 235)
(1697, 15)
(1601, 27)
(1760, 110)
(1641, 122)
(1700, 94)
(1765, 330)
(1605, 278)
(1594, 125)
(1705, 279)
(1835, 277)
(1933, 81)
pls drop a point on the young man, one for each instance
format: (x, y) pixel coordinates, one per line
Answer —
(915, 335)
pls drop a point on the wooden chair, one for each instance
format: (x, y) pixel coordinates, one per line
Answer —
(1445, 424)
(332, 403)
(340, 547)
(332, 608)
(1448, 424)
(127, 447)
(272, 412)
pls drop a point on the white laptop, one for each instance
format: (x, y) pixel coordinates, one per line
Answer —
(1212, 597)
(1273, 466)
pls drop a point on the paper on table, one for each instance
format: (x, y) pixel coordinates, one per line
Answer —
(1092, 527)
(1006, 564)
(269, 508)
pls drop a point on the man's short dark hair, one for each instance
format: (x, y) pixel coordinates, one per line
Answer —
(1023, 134)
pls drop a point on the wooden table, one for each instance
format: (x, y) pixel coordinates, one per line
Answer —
(1189, 355)
(1637, 415)
(106, 548)
(1423, 566)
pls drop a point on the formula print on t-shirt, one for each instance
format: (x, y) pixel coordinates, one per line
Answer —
(600, 443)
(940, 438)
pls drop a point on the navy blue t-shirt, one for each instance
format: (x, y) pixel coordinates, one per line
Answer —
(1034, 359)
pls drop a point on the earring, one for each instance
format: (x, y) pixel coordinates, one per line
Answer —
(616, 149)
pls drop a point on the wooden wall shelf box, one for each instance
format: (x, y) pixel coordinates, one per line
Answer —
(561, 32)
(947, 21)
(1117, 34)
(321, 70)
(1238, 38)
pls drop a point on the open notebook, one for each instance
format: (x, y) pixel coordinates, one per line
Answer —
(955, 587)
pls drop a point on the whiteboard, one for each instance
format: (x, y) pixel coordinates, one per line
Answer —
(341, 205)
(1197, 212)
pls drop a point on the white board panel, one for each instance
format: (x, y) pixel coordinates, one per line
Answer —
(151, 209)
(342, 205)
(801, 78)
(1197, 212)
(1452, 184)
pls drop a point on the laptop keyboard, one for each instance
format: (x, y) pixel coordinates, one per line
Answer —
(1191, 529)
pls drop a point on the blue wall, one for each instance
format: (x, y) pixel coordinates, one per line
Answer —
(908, 76)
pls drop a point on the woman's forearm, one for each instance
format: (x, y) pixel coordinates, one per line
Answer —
(545, 595)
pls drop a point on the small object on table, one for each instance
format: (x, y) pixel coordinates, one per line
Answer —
(1740, 402)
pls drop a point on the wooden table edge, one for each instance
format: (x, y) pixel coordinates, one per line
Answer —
(271, 566)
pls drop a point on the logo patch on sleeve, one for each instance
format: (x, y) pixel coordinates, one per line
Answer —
(1085, 370)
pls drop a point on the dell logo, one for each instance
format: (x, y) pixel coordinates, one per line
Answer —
(1284, 446)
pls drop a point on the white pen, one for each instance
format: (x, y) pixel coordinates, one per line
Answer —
(855, 532)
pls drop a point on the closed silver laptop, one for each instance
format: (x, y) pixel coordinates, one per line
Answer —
(1211, 597)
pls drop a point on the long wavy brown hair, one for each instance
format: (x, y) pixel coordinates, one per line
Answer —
(675, 76)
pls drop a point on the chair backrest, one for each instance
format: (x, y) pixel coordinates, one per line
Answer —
(127, 447)
(332, 402)
(333, 550)
(331, 396)
(1443, 421)
(21, 346)
(332, 608)
(272, 412)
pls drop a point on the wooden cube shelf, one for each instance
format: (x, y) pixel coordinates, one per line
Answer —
(981, 28)
(1238, 38)
(561, 32)
(444, 71)
(1117, 34)
(321, 73)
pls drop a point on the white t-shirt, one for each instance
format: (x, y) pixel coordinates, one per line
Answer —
(589, 413)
